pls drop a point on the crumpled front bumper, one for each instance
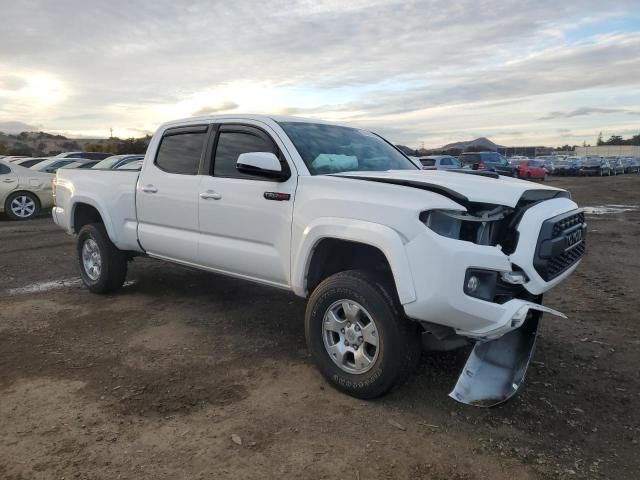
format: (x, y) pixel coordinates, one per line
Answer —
(439, 264)
(505, 333)
(496, 369)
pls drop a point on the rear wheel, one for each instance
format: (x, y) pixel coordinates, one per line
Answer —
(22, 206)
(357, 336)
(103, 267)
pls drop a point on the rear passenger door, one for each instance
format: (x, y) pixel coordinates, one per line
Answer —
(167, 195)
(245, 221)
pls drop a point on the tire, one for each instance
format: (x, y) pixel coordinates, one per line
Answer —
(545, 178)
(110, 263)
(516, 174)
(22, 206)
(397, 343)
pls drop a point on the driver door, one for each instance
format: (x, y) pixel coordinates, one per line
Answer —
(245, 220)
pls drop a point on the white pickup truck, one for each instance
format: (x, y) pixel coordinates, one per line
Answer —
(390, 257)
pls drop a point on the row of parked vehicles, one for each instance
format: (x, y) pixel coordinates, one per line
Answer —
(538, 168)
(25, 182)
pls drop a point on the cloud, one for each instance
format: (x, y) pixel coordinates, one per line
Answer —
(11, 82)
(223, 107)
(578, 112)
(417, 70)
(16, 127)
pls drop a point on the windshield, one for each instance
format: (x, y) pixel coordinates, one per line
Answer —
(108, 162)
(43, 165)
(329, 149)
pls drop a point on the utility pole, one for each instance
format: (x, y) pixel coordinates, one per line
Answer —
(110, 132)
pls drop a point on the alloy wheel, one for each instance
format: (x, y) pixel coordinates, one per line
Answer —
(350, 336)
(91, 259)
(23, 206)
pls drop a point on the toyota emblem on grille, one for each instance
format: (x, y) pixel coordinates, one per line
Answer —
(572, 239)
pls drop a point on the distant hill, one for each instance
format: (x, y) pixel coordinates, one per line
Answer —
(481, 142)
(45, 144)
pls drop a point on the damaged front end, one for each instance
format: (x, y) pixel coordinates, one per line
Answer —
(499, 360)
(496, 369)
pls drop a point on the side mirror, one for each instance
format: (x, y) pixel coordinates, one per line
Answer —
(261, 164)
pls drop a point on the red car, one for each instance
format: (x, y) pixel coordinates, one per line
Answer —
(530, 169)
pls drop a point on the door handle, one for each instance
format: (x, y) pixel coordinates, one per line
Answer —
(210, 195)
(149, 189)
(8, 180)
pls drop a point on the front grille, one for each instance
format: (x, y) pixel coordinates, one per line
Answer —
(562, 242)
(560, 263)
(569, 222)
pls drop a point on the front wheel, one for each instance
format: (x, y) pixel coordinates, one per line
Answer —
(22, 206)
(357, 336)
(103, 267)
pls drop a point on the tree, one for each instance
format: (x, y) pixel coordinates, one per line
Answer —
(614, 140)
(600, 141)
(20, 148)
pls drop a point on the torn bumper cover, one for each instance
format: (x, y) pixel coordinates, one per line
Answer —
(496, 369)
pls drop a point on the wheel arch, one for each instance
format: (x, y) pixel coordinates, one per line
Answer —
(85, 211)
(331, 245)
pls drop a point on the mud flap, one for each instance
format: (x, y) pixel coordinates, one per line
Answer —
(495, 369)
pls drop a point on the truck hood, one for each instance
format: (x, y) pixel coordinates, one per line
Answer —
(460, 187)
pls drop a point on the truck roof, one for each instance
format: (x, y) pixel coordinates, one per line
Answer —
(245, 116)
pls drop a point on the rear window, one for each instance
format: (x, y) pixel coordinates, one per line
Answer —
(470, 158)
(180, 153)
(428, 162)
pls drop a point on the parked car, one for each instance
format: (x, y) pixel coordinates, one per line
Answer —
(135, 165)
(594, 165)
(330, 213)
(631, 165)
(30, 162)
(16, 158)
(574, 164)
(87, 155)
(80, 163)
(53, 164)
(529, 169)
(440, 162)
(116, 161)
(561, 167)
(548, 163)
(617, 167)
(23, 192)
(490, 161)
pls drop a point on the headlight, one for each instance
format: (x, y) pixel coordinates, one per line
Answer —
(443, 222)
(478, 227)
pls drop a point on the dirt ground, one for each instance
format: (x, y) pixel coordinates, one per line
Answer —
(159, 379)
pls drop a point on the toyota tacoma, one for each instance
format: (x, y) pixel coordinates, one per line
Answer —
(391, 259)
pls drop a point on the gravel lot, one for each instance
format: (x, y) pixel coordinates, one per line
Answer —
(183, 374)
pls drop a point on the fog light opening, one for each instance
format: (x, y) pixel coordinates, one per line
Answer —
(480, 283)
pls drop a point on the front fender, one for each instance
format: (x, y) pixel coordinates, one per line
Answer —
(385, 239)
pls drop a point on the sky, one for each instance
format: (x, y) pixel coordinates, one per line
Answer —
(529, 72)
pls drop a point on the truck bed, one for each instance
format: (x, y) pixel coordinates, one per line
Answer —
(117, 191)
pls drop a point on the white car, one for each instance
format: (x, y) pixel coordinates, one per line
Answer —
(23, 192)
(53, 164)
(390, 257)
